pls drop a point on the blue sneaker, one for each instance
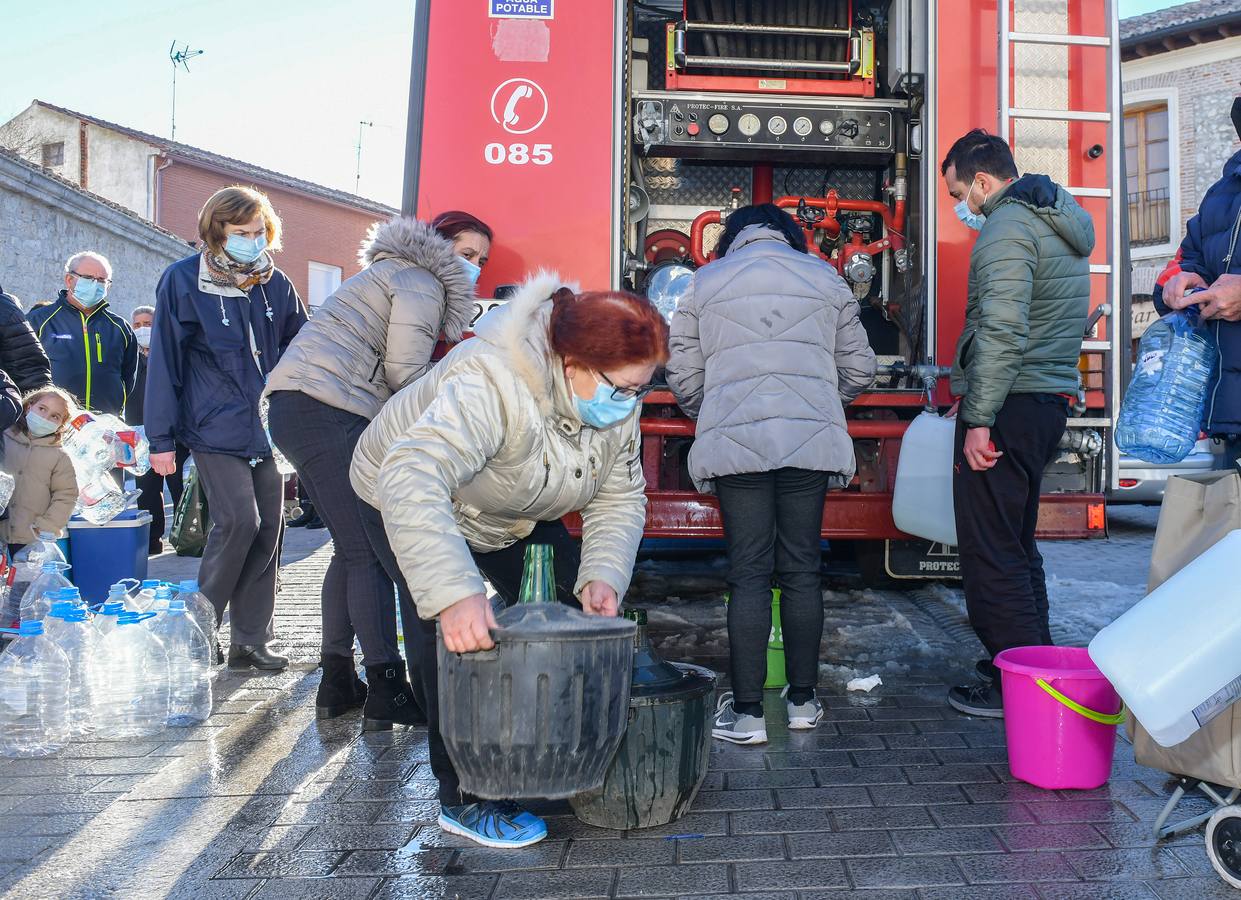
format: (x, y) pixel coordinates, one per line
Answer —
(492, 823)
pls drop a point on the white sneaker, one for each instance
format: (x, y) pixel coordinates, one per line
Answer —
(803, 716)
(736, 728)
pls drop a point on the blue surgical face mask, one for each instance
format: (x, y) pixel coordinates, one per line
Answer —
(244, 249)
(89, 293)
(970, 218)
(471, 271)
(602, 410)
(39, 426)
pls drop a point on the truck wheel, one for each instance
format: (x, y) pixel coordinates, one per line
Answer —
(1224, 844)
(869, 556)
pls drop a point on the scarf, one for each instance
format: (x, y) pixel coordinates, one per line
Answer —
(224, 271)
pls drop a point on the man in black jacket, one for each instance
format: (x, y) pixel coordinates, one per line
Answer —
(92, 350)
(21, 354)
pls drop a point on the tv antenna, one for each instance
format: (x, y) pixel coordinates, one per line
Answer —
(179, 58)
(357, 178)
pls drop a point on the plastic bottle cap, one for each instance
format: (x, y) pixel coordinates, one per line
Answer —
(61, 609)
(163, 592)
(30, 627)
(151, 583)
(50, 565)
(128, 618)
(189, 586)
(112, 608)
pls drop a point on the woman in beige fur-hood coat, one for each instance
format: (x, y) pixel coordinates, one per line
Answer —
(370, 339)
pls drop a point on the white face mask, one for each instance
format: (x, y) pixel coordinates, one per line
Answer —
(143, 334)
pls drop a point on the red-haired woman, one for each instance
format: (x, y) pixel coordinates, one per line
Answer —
(368, 340)
(534, 419)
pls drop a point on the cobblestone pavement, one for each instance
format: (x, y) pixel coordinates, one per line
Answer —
(894, 796)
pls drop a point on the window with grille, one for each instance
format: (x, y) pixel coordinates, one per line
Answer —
(53, 155)
(1149, 181)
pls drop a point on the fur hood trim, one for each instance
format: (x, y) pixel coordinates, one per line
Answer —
(519, 331)
(415, 242)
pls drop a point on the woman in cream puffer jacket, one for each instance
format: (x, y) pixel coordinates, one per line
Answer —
(533, 419)
(371, 338)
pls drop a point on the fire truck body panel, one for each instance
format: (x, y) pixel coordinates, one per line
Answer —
(608, 141)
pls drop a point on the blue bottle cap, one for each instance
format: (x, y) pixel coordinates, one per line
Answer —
(163, 592)
(50, 565)
(189, 586)
(30, 628)
(112, 608)
(61, 609)
(151, 583)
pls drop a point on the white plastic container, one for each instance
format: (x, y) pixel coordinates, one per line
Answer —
(1173, 657)
(922, 499)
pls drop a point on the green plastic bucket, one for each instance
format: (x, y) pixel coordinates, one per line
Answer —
(776, 676)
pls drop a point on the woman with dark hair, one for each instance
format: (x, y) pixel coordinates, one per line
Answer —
(371, 338)
(767, 350)
(533, 419)
(223, 318)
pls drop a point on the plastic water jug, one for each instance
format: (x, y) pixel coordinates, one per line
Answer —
(200, 608)
(30, 559)
(129, 681)
(1173, 656)
(34, 695)
(106, 617)
(7, 485)
(144, 597)
(189, 664)
(68, 626)
(922, 498)
(163, 596)
(1161, 415)
(35, 601)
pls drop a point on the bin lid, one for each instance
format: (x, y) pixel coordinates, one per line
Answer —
(557, 622)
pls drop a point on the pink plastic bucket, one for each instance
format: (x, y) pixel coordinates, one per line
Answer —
(1060, 717)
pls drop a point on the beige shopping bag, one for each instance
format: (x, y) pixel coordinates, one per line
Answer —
(1198, 510)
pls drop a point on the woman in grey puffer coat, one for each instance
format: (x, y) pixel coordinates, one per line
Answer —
(367, 341)
(767, 350)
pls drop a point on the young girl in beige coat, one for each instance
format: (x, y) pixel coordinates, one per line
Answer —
(46, 488)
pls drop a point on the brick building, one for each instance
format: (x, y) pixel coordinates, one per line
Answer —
(1181, 70)
(167, 182)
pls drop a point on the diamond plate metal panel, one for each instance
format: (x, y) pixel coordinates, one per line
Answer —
(684, 182)
(1041, 81)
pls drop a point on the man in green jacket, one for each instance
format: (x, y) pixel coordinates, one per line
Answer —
(1015, 374)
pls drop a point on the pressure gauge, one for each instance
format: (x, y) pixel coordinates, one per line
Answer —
(777, 125)
(827, 127)
(749, 124)
(718, 123)
(802, 126)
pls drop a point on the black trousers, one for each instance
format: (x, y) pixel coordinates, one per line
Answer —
(997, 513)
(358, 595)
(503, 569)
(152, 497)
(772, 524)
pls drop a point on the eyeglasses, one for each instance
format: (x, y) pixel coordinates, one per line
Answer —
(104, 281)
(624, 393)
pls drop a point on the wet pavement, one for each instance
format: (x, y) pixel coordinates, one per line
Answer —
(894, 796)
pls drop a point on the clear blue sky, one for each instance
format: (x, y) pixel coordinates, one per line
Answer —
(282, 84)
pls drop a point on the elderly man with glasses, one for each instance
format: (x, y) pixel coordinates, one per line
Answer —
(93, 351)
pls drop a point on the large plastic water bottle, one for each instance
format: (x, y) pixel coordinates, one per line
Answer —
(200, 608)
(144, 598)
(36, 601)
(129, 681)
(189, 664)
(68, 626)
(107, 616)
(34, 695)
(1161, 416)
(29, 561)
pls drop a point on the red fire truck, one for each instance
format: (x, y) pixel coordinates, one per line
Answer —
(608, 139)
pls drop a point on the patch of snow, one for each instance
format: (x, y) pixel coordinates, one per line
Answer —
(864, 684)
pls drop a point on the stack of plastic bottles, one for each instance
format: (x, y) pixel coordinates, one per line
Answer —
(1161, 416)
(96, 444)
(34, 694)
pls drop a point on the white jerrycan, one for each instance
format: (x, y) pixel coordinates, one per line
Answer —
(1173, 657)
(922, 499)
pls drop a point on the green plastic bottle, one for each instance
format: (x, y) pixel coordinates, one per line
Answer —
(538, 581)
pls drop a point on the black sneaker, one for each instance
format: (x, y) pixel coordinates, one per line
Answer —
(986, 671)
(977, 700)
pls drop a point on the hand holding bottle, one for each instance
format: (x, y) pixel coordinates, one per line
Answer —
(466, 625)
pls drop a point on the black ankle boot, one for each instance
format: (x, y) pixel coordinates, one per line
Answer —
(389, 701)
(340, 690)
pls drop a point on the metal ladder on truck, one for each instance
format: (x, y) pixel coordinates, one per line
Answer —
(1110, 310)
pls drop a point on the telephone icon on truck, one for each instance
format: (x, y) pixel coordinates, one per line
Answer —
(519, 106)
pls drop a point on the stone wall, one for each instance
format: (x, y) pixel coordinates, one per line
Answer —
(43, 221)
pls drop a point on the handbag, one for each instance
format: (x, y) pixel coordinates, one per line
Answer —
(192, 519)
(1197, 512)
